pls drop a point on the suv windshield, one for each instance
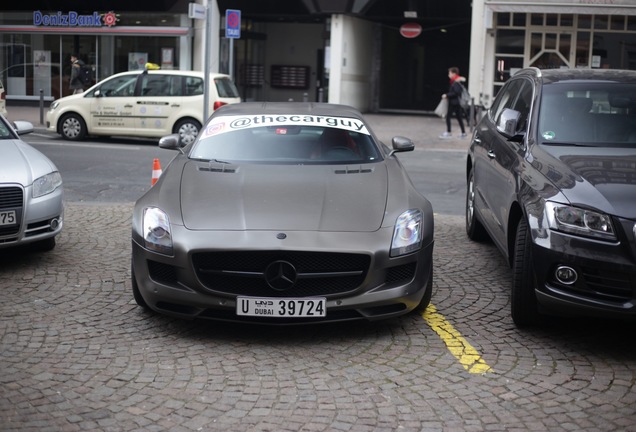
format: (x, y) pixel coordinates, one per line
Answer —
(588, 113)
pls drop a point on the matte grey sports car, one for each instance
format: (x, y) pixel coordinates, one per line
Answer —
(283, 213)
(31, 208)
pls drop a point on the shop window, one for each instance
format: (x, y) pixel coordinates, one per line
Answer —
(585, 21)
(582, 49)
(552, 20)
(601, 22)
(618, 22)
(519, 20)
(631, 23)
(510, 41)
(536, 19)
(567, 20)
(503, 19)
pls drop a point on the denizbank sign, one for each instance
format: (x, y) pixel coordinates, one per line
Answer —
(74, 19)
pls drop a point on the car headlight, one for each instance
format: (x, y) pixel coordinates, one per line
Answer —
(156, 231)
(407, 235)
(574, 220)
(54, 105)
(46, 184)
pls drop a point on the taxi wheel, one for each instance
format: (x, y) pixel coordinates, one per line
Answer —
(73, 127)
(188, 129)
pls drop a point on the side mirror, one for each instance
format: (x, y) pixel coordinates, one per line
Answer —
(402, 144)
(22, 127)
(508, 122)
(171, 142)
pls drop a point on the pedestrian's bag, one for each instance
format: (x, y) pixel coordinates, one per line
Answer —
(442, 108)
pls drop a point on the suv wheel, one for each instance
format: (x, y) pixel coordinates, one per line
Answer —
(474, 229)
(523, 300)
(188, 129)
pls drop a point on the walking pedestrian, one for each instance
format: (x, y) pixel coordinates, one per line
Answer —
(454, 107)
(75, 85)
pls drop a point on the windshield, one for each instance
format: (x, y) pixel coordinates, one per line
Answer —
(590, 113)
(295, 139)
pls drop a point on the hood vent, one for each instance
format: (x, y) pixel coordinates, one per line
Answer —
(353, 170)
(218, 167)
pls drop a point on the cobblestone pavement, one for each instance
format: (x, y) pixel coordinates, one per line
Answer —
(76, 353)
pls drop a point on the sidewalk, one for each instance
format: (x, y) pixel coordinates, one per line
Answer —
(424, 130)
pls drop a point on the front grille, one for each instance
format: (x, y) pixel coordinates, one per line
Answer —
(401, 274)
(318, 273)
(601, 285)
(11, 198)
(607, 285)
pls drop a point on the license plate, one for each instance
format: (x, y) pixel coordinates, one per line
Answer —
(281, 307)
(8, 218)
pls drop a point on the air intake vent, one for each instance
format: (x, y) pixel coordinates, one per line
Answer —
(218, 167)
(353, 170)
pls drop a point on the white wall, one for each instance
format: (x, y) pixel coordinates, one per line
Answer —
(351, 60)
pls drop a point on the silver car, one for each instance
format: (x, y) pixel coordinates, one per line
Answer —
(31, 207)
(283, 213)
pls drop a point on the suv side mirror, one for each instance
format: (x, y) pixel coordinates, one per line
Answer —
(508, 122)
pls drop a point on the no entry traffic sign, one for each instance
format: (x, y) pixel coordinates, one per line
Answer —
(410, 30)
(233, 24)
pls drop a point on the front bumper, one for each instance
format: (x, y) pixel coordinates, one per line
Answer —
(388, 287)
(39, 218)
(606, 274)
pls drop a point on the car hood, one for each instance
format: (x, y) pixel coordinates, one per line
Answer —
(600, 177)
(21, 163)
(292, 197)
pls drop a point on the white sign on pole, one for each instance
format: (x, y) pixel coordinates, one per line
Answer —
(196, 11)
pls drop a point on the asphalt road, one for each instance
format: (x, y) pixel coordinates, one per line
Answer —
(76, 353)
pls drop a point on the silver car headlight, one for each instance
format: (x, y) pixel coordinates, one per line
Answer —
(46, 184)
(574, 220)
(156, 231)
(407, 235)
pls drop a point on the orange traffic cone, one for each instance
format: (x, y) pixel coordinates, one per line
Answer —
(156, 171)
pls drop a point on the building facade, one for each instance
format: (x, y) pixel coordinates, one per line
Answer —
(510, 34)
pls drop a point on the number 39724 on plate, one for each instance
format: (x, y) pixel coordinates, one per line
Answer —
(281, 307)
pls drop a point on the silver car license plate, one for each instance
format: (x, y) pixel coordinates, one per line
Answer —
(314, 307)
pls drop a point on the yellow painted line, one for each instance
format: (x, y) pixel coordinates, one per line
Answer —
(456, 344)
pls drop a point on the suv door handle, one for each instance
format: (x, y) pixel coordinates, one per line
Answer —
(174, 105)
(128, 106)
(491, 154)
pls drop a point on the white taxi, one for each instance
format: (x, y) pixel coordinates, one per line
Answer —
(149, 103)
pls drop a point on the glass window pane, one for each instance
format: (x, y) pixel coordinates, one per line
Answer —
(601, 21)
(552, 20)
(618, 22)
(536, 44)
(503, 19)
(519, 20)
(631, 23)
(550, 41)
(510, 41)
(536, 19)
(567, 20)
(582, 49)
(565, 43)
(585, 21)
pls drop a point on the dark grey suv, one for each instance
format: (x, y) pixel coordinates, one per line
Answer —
(551, 174)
